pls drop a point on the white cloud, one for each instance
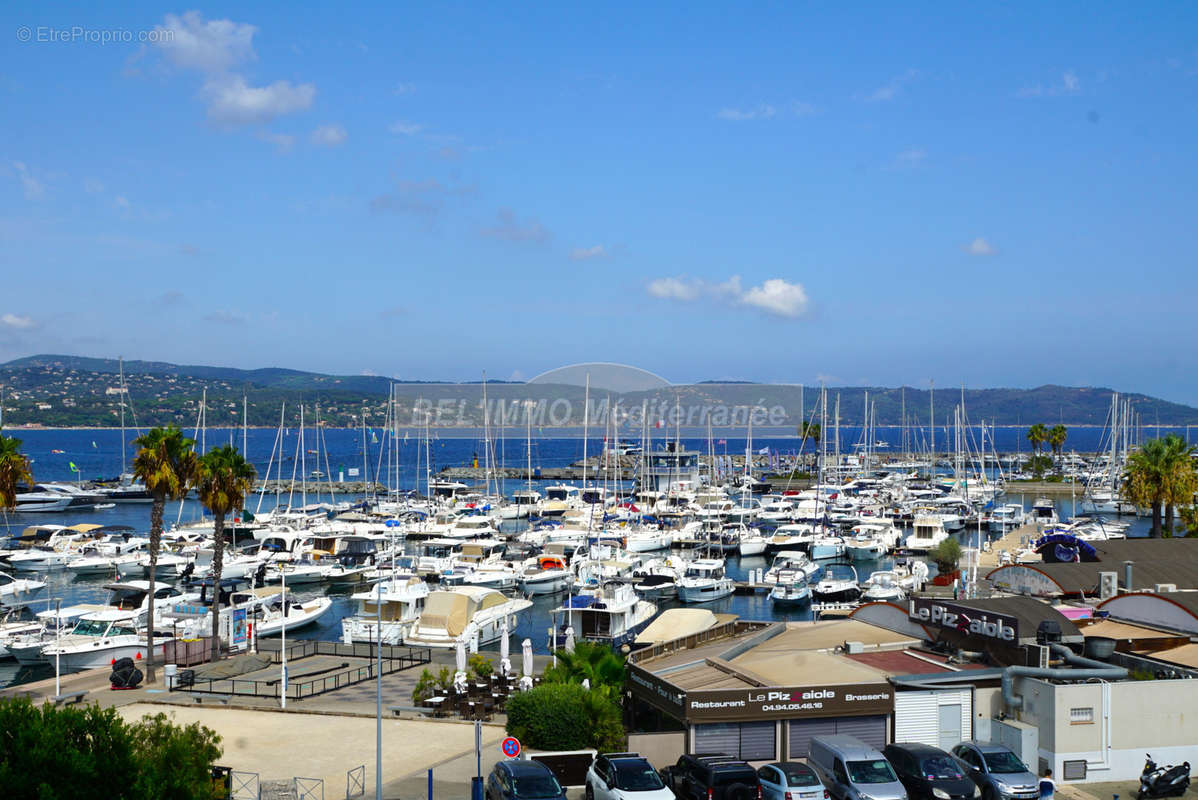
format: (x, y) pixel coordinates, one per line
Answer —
(93, 186)
(584, 253)
(34, 189)
(213, 48)
(234, 102)
(675, 289)
(404, 88)
(214, 45)
(16, 321)
(763, 111)
(980, 247)
(121, 201)
(892, 88)
(912, 157)
(1070, 84)
(329, 135)
(405, 128)
(775, 296)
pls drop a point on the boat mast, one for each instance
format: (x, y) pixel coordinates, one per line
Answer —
(932, 425)
(121, 362)
(586, 422)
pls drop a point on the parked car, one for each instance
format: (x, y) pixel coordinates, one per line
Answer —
(790, 780)
(713, 777)
(998, 772)
(853, 770)
(624, 776)
(929, 773)
(523, 780)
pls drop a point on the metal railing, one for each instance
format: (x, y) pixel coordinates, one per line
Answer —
(395, 659)
(355, 783)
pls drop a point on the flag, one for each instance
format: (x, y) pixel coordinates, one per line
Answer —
(722, 441)
(660, 422)
(94, 445)
(73, 467)
(765, 451)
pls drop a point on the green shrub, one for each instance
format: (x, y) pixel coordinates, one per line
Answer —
(565, 716)
(947, 555)
(480, 665)
(59, 753)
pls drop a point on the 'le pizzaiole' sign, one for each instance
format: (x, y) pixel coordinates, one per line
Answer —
(970, 621)
(805, 701)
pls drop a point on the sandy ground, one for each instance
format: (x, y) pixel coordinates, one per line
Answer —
(285, 745)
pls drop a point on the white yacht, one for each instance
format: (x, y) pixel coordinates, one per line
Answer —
(838, 585)
(401, 602)
(704, 581)
(791, 563)
(464, 614)
(790, 595)
(18, 592)
(1044, 512)
(1007, 518)
(883, 586)
(927, 532)
(545, 574)
(610, 614)
(99, 638)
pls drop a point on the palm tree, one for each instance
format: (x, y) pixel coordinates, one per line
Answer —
(166, 463)
(1056, 439)
(1181, 478)
(223, 480)
(809, 430)
(599, 665)
(1037, 435)
(14, 470)
(1144, 481)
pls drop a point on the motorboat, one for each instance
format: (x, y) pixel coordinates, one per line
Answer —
(609, 613)
(1044, 512)
(100, 638)
(789, 563)
(647, 540)
(827, 547)
(170, 565)
(132, 597)
(1007, 518)
(18, 592)
(386, 611)
(796, 536)
(704, 581)
(926, 533)
(25, 640)
(503, 577)
(791, 595)
(464, 614)
(753, 543)
(276, 612)
(545, 574)
(883, 586)
(864, 546)
(838, 585)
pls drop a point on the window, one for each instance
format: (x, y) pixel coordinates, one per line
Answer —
(1081, 716)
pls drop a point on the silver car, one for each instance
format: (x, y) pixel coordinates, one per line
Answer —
(997, 771)
(790, 780)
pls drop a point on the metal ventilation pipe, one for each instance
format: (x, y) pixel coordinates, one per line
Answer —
(1094, 669)
(1127, 574)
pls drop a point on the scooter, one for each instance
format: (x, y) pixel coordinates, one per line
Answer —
(1163, 781)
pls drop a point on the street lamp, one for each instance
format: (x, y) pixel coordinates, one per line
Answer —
(378, 692)
(57, 645)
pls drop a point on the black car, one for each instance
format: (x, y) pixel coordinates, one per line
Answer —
(713, 777)
(523, 780)
(929, 773)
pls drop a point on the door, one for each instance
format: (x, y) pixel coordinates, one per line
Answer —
(950, 726)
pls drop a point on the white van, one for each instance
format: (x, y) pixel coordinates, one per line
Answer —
(852, 770)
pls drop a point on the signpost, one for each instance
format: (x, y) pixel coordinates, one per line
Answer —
(511, 747)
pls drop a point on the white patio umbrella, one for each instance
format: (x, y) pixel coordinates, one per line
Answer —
(461, 654)
(569, 648)
(526, 657)
(505, 664)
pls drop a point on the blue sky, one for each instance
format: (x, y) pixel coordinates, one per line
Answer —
(994, 194)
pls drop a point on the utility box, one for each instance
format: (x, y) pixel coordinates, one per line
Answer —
(1020, 738)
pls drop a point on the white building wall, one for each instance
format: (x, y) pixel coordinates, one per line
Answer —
(1128, 720)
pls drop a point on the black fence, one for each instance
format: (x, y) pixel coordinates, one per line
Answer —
(311, 684)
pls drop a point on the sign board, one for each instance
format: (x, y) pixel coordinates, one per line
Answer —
(240, 634)
(352, 472)
(647, 686)
(965, 620)
(790, 702)
(510, 747)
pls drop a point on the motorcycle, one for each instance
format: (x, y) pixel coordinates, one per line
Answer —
(1163, 781)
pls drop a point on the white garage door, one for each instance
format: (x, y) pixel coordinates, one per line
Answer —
(871, 730)
(940, 718)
